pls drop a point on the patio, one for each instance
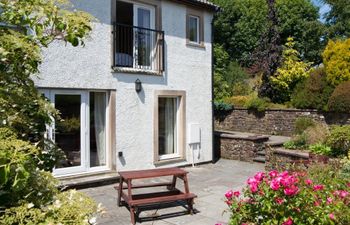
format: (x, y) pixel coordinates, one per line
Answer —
(208, 181)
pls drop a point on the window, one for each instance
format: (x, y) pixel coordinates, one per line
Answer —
(193, 26)
(169, 125)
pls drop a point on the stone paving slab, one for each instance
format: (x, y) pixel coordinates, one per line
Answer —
(209, 182)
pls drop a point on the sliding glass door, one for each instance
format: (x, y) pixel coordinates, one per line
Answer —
(81, 130)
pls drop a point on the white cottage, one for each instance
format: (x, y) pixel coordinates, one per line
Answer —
(139, 94)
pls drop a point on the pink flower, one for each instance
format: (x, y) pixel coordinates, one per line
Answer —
(317, 203)
(279, 200)
(308, 182)
(343, 194)
(229, 194)
(252, 180)
(236, 193)
(291, 191)
(275, 185)
(331, 216)
(318, 187)
(288, 222)
(218, 224)
(348, 184)
(253, 188)
(259, 176)
(288, 180)
(329, 200)
(283, 174)
(273, 173)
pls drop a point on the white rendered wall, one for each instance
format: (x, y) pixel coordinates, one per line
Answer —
(187, 69)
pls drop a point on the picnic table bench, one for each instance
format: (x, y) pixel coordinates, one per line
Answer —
(172, 194)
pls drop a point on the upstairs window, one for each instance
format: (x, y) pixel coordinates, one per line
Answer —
(193, 28)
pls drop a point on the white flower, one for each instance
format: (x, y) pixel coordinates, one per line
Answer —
(30, 205)
(92, 220)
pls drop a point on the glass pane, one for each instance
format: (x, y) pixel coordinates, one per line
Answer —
(167, 126)
(144, 37)
(67, 131)
(193, 29)
(97, 129)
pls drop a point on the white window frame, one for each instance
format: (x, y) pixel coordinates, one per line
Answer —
(198, 29)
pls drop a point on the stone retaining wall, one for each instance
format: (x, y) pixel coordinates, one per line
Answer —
(276, 122)
(277, 158)
(238, 147)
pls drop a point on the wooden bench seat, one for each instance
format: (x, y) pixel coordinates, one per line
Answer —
(146, 199)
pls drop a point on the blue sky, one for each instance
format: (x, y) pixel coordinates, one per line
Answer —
(324, 8)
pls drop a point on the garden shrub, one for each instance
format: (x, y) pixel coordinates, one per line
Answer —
(336, 58)
(316, 134)
(340, 98)
(302, 123)
(237, 101)
(257, 104)
(290, 198)
(69, 207)
(297, 142)
(339, 140)
(321, 149)
(222, 106)
(314, 92)
(241, 88)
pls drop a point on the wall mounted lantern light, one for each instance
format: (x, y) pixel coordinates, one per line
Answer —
(138, 85)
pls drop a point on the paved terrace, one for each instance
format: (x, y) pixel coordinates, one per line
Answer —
(209, 182)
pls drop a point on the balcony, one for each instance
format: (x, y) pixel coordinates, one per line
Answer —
(138, 49)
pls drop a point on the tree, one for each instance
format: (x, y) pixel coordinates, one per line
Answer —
(27, 26)
(338, 19)
(336, 58)
(291, 72)
(242, 22)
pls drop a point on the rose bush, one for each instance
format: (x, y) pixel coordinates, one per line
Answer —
(289, 198)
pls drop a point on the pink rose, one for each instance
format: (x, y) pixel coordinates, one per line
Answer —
(343, 194)
(274, 185)
(236, 193)
(308, 182)
(283, 174)
(288, 180)
(329, 200)
(331, 216)
(291, 191)
(252, 180)
(259, 176)
(229, 194)
(279, 200)
(348, 184)
(289, 221)
(318, 187)
(273, 173)
(253, 188)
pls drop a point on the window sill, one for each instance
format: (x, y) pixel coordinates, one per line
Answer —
(169, 161)
(196, 45)
(136, 71)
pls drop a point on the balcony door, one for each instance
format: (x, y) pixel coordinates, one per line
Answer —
(81, 130)
(135, 35)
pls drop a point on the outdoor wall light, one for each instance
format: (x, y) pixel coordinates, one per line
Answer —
(138, 85)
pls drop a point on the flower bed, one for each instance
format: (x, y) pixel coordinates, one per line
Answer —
(291, 198)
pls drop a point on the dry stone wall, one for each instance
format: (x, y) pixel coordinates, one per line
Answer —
(275, 122)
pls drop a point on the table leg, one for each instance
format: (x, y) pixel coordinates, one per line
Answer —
(132, 209)
(132, 215)
(173, 184)
(187, 190)
(120, 191)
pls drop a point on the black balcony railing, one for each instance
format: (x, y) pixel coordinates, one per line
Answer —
(138, 48)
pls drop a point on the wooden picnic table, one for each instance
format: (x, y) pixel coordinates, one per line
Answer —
(172, 194)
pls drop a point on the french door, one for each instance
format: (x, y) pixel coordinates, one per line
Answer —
(81, 130)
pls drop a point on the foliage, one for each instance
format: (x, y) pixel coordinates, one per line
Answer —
(336, 58)
(297, 142)
(221, 61)
(320, 149)
(340, 98)
(345, 170)
(338, 19)
(69, 207)
(314, 92)
(69, 124)
(257, 104)
(222, 106)
(316, 134)
(302, 123)
(290, 198)
(236, 78)
(339, 140)
(242, 22)
(291, 72)
(267, 56)
(238, 101)
(27, 27)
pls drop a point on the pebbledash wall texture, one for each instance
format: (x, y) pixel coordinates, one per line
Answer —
(187, 68)
(277, 122)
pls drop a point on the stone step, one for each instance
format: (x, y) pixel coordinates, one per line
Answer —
(261, 153)
(259, 159)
